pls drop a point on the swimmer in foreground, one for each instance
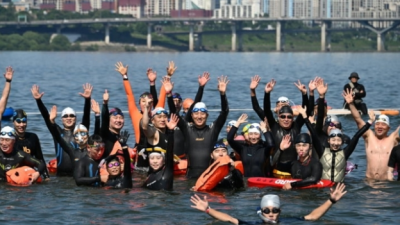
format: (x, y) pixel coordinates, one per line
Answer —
(8, 75)
(378, 143)
(270, 209)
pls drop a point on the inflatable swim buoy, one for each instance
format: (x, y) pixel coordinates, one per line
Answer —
(21, 176)
(262, 182)
(213, 174)
(8, 113)
(52, 166)
(180, 167)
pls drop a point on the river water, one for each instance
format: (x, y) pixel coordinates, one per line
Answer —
(61, 75)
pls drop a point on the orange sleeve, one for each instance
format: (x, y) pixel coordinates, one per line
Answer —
(134, 112)
(161, 98)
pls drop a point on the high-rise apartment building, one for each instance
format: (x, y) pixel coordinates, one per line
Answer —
(238, 9)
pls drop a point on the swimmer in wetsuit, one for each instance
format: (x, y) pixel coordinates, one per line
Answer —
(11, 158)
(270, 209)
(86, 171)
(255, 154)
(201, 137)
(161, 171)
(68, 115)
(27, 141)
(8, 75)
(394, 160)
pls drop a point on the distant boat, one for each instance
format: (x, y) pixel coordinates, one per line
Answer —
(8, 113)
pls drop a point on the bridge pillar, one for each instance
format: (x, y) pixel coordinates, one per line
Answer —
(325, 36)
(233, 26)
(240, 36)
(107, 36)
(191, 38)
(380, 39)
(149, 35)
(380, 42)
(280, 37)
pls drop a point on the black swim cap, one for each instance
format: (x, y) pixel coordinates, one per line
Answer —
(286, 109)
(303, 138)
(19, 113)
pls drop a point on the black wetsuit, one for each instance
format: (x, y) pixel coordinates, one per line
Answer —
(86, 172)
(30, 144)
(163, 178)
(17, 159)
(234, 180)
(359, 93)
(286, 158)
(64, 166)
(257, 108)
(109, 138)
(395, 159)
(200, 141)
(255, 158)
(125, 180)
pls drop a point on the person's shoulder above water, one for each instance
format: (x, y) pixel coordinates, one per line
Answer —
(281, 220)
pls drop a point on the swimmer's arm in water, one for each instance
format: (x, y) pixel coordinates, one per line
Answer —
(87, 93)
(203, 206)
(32, 162)
(39, 155)
(392, 162)
(8, 75)
(390, 173)
(335, 196)
(79, 175)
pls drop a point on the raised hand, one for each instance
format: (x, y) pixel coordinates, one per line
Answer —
(87, 90)
(53, 113)
(313, 84)
(254, 82)
(199, 204)
(123, 137)
(95, 107)
(168, 85)
(303, 111)
(222, 83)
(204, 78)
(270, 86)
(302, 88)
(242, 119)
(348, 96)
(9, 73)
(123, 70)
(322, 87)
(36, 92)
(171, 68)
(285, 143)
(371, 115)
(105, 97)
(151, 75)
(338, 193)
(173, 121)
(264, 125)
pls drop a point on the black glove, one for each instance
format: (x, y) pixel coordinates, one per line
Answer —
(123, 138)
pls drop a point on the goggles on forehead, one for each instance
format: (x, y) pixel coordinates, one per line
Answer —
(199, 109)
(7, 133)
(158, 112)
(81, 133)
(21, 120)
(97, 146)
(255, 126)
(282, 101)
(336, 135)
(219, 146)
(274, 210)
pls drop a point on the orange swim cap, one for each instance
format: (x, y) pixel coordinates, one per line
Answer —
(187, 103)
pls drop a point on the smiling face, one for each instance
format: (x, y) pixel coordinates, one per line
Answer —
(156, 161)
(199, 118)
(285, 120)
(20, 125)
(69, 120)
(381, 129)
(7, 144)
(335, 143)
(114, 167)
(254, 137)
(159, 120)
(116, 122)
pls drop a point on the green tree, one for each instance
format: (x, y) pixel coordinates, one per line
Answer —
(60, 43)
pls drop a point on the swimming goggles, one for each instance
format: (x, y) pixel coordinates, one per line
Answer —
(286, 117)
(219, 146)
(80, 134)
(282, 101)
(111, 165)
(336, 135)
(338, 125)
(7, 133)
(274, 210)
(69, 115)
(21, 120)
(255, 126)
(199, 109)
(160, 112)
(115, 112)
(176, 95)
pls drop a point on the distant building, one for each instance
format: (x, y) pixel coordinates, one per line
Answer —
(131, 7)
(238, 9)
(196, 13)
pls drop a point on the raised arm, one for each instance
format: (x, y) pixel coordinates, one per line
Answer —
(303, 89)
(123, 70)
(42, 108)
(223, 115)
(285, 144)
(87, 93)
(171, 124)
(127, 164)
(311, 100)
(96, 110)
(254, 102)
(170, 71)
(267, 103)
(105, 116)
(8, 75)
(334, 196)
(237, 146)
(353, 142)
(202, 79)
(322, 89)
(152, 76)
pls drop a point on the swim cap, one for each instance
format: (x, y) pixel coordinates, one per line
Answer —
(157, 153)
(254, 128)
(270, 201)
(116, 111)
(200, 105)
(19, 113)
(80, 132)
(7, 132)
(67, 111)
(220, 144)
(354, 75)
(158, 111)
(303, 138)
(383, 119)
(282, 99)
(335, 133)
(146, 94)
(286, 109)
(187, 103)
(177, 95)
(245, 129)
(231, 123)
(331, 119)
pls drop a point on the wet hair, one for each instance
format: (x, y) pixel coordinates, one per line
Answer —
(94, 138)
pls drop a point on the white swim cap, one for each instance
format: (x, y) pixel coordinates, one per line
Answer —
(7, 132)
(231, 123)
(282, 99)
(383, 119)
(67, 111)
(254, 128)
(270, 200)
(200, 105)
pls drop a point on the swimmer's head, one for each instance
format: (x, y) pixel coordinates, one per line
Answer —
(143, 99)
(117, 119)
(229, 125)
(245, 132)
(7, 139)
(20, 120)
(113, 166)
(177, 101)
(303, 144)
(285, 117)
(199, 114)
(254, 133)
(332, 122)
(159, 117)
(156, 160)
(186, 104)
(68, 117)
(270, 208)
(335, 139)
(382, 126)
(81, 135)
(95, 147)
(281, 102)
(219, 150)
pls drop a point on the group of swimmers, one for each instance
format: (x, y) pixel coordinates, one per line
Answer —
(163, 139)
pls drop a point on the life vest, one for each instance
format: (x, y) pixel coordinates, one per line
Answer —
(117, 146)
(213, 174)
(180, 166)
(52, 166)
(21, 176)
(333, 165)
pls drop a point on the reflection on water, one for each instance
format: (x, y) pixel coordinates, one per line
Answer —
(61, 75)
